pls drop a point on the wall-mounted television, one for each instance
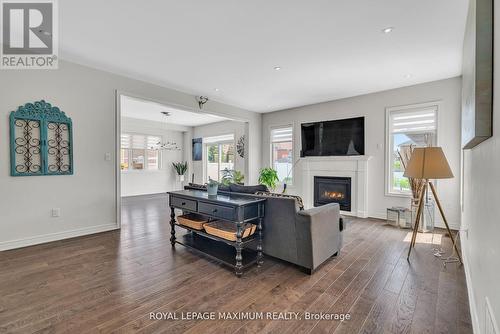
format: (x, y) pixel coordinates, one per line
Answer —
(333, 138)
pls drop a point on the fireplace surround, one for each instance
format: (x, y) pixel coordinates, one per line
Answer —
(355, 167)
(333, 189)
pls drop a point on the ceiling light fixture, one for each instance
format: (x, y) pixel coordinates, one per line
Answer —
(387, 30)
(216, 89)
(277, 68)
(167, 146)
(407, 76)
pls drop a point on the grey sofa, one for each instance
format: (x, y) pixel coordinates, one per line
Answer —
(306, 238)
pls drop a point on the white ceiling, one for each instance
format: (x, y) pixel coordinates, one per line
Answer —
(152, 111)
(326, 49)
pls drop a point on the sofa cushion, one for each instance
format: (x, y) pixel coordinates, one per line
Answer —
(298, 199)
(236, 188)
(223, 187)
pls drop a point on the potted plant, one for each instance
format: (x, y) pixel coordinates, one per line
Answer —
(212, 187)
(269, 177)
(230, 176)
(181, 169)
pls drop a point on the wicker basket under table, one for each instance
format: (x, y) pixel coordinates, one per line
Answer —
(227, 230)
(193, 221)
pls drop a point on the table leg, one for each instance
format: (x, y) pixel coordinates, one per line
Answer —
(239, 258)
(172, 226)
(260, 256)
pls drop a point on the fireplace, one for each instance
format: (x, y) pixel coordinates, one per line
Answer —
(329, 189)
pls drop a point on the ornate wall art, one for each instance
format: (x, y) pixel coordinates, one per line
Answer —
(40, 141)
(240, 146)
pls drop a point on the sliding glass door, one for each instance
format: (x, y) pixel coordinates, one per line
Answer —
(220, 156)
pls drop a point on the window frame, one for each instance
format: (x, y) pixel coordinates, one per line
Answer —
(271, 151)
(388, 171)
(146, 168)
(219, 145)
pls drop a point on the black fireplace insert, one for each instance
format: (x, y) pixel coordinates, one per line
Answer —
(328, 189)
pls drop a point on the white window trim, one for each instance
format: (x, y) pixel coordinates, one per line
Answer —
(145, 170)
(388, 142)
(204, 153)
(294, 158)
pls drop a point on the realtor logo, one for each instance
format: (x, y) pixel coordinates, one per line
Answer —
(29, 37)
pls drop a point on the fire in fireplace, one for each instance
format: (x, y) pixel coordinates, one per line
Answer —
(333, 190)
(333, 195)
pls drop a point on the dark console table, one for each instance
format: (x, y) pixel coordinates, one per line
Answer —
(234, 208)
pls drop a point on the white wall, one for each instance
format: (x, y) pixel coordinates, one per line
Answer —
(142, 182)
(217, 129)
(87, 198)
(372, 107)
(481, 212)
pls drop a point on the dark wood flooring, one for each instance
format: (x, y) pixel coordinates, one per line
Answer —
(110, 282)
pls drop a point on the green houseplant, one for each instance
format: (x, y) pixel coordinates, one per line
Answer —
(232, 176)
(181, 169)
(269, 177)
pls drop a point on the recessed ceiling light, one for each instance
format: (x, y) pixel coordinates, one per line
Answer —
(216, 89)
(408, 76)
(277, 68)
(387, 30)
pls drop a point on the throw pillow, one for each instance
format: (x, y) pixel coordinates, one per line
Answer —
(198, 186)
(298, 199)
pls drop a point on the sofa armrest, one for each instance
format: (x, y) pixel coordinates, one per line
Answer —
(318, 234)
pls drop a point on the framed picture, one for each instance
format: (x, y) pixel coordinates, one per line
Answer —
(477, 82)
(197, 149)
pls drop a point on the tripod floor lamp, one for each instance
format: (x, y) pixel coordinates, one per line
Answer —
(429, 163)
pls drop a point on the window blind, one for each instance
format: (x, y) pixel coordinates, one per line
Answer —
(281, 135)
(218, 139)
(413, 121)
(137, 141)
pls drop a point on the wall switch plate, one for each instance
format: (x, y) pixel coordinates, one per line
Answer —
(107, 156)
(56, 212)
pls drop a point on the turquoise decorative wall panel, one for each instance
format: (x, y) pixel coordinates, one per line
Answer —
(41, 140)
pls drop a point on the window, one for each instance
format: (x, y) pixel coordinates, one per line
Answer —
(407, 128)
(282, 153)
(138, 152)
(219, 155)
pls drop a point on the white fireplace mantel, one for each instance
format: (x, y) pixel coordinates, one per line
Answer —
(355, 167)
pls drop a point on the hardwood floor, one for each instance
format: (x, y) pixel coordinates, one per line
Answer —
(110, 282)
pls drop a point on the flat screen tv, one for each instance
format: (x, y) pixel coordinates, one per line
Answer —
(329, 138)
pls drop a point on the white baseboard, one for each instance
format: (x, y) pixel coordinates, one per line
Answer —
(470, 292)
(164, 193)
(41, 239)
(378, 215)
(359, 214)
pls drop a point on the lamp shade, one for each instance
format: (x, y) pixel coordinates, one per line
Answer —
(428, 163)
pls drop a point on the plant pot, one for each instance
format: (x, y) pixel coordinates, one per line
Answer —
(212, 189)
(181, 178)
